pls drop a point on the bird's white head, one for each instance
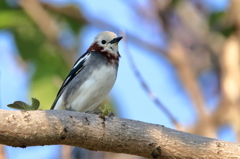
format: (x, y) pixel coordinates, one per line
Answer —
(106, 42)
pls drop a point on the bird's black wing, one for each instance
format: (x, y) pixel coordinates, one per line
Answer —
(77, 67)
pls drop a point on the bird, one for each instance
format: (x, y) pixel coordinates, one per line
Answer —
(91, 77)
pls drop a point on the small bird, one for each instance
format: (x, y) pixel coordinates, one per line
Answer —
(92, 76)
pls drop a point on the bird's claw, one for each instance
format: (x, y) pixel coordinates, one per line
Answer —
(110, 115)
(93, 112)
(70, 109)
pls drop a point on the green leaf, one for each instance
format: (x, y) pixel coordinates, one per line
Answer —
(3, 4)
(24, 106)
(106, 110)
(35, 104)
(19, 105)
(216, 17)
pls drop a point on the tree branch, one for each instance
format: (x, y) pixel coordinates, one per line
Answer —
(52, 127)
(147, 89)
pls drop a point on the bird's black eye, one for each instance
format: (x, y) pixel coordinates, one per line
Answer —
(103, 41)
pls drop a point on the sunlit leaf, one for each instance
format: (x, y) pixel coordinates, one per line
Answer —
(35, 104)
(20, 105)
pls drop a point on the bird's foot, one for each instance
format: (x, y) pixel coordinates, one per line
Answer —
(93, 112)
(110, 115)
(70, 109)
(100, 113)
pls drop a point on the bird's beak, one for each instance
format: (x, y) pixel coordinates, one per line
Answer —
(115, 40)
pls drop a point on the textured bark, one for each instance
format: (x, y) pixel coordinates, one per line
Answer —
(52, 127)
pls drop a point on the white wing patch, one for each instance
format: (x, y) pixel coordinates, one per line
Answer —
(66, 80)
(81, 59)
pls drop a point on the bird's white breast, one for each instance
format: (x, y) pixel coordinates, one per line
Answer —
(93, 91)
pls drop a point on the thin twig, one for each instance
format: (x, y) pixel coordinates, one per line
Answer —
(146, 87)
(2, 152)
(66, 152)
(187, 76)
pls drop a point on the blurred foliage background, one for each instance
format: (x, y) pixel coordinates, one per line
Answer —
(39, 43)
(197, 41)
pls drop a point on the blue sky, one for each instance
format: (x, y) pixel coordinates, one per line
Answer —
(131, 100)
